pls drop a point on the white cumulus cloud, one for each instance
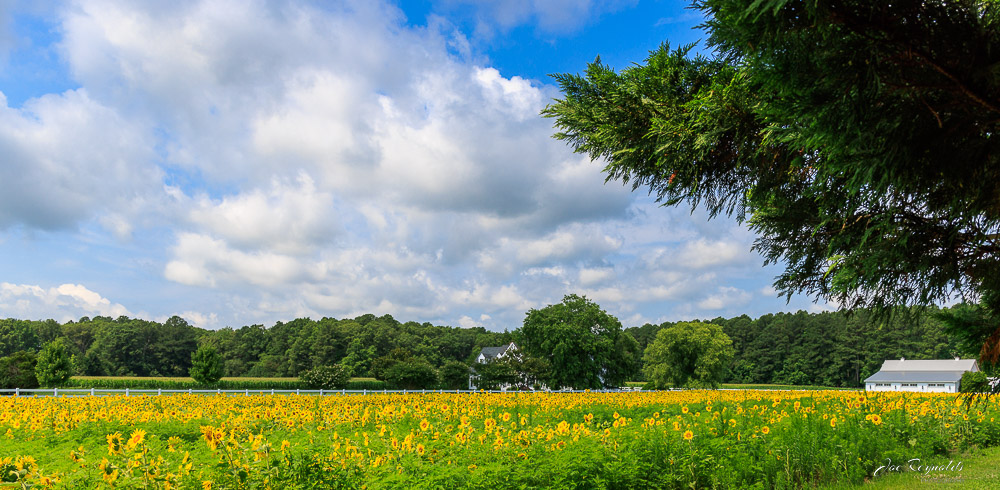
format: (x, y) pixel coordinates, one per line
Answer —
(62, 303)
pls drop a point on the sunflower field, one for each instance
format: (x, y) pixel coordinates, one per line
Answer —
(689, 439)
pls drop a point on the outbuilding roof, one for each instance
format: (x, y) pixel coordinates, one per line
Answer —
(923, 371)
(961, 365)
(915, 377)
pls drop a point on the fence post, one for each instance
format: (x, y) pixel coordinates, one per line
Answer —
(365, 392)
(91, 391)
(248, 392)
(321, 392)
(189, 391)
(272, 391)
(17, 391)
(55, 392)
(218, 391)
(126, 391)
(159, 392)
(296, 391)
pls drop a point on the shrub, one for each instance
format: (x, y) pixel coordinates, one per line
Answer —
(973, 382)
(455, 375)
(413, 374)
(334, 377)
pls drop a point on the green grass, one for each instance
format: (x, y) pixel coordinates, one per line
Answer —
(979, 471)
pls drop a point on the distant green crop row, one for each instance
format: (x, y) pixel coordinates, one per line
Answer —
(734, 386)
(151, 383)
(737, 386)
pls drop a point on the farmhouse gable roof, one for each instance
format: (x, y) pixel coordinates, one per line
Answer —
(923, 371)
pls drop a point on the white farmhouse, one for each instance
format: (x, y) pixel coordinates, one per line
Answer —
(937, 375)
(491, 353)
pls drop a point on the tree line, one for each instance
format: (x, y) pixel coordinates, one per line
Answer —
(573, 343)
(838, 349)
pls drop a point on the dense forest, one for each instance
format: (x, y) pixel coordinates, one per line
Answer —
(829, 349)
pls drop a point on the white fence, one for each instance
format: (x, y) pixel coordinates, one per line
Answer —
(157, 392)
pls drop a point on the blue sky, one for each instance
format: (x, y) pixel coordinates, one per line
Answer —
(241, 162)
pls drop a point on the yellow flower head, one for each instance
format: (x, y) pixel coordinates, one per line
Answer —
(765, 430)
(114, 443)
(206, 485)
(111, 477)
(137, 437)
(688, 435)
(23, 462)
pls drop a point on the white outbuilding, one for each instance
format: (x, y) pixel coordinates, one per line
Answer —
(933, 375)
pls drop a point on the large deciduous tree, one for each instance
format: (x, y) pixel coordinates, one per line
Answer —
(585, 346)
(857, 137)
(206, 365)
(688, 354)
(53, 367)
